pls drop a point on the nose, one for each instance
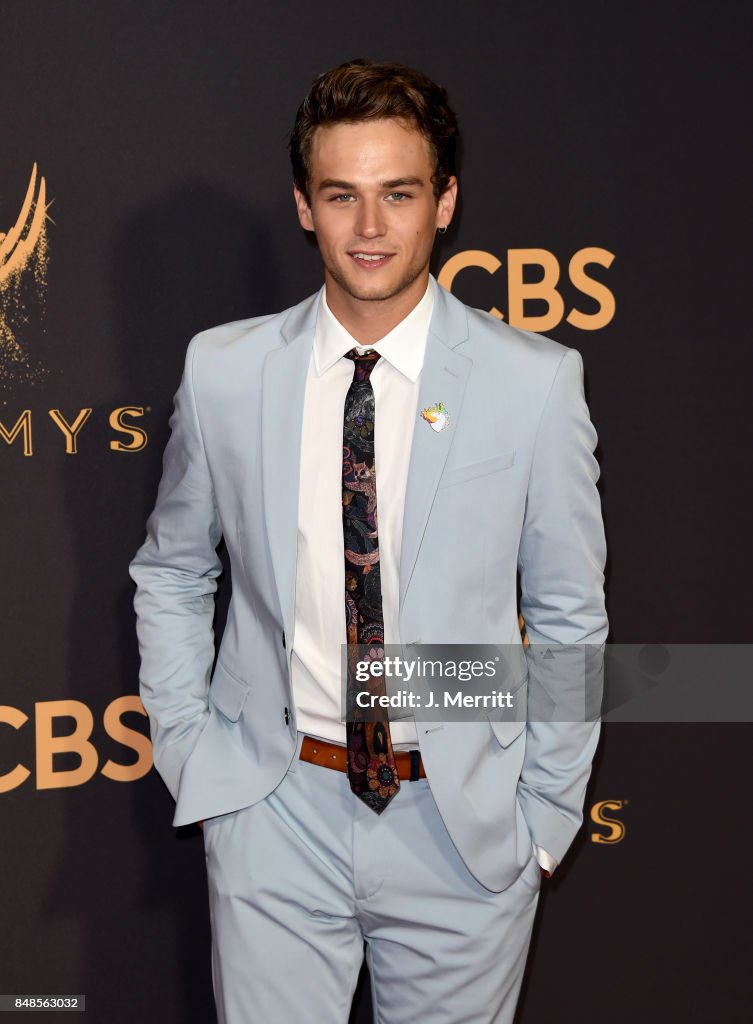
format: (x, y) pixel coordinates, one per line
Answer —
(369, 220)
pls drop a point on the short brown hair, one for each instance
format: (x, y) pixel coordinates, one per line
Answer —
(364, 90)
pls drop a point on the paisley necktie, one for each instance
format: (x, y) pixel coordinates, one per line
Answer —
(371, 763)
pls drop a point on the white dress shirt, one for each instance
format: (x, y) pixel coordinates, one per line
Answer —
(320, 569)
(316, 656)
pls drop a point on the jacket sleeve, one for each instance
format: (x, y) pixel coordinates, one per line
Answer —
(175, 572)
(561, 564)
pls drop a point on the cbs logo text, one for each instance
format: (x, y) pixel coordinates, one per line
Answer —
(545, 289)
(75, 743)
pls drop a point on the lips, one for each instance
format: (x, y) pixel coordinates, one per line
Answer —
(370, 260)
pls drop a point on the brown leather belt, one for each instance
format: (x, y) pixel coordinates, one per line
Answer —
(330, 755)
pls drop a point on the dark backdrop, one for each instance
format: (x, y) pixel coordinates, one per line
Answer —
(160, 131)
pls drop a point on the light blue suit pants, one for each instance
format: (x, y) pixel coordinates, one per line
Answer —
(300, 879)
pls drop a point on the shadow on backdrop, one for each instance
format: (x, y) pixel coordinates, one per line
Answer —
(191, 259)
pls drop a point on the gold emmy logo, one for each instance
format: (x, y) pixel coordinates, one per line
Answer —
(615, 828)
(24, 259)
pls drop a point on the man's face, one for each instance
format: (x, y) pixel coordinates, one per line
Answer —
(373, 208)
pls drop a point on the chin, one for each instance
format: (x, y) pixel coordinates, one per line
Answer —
(376, 291)
(375, 294)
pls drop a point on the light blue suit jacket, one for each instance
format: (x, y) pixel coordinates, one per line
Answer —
(509, 485)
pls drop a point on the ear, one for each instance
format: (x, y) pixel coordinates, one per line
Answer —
(446, 203)
(304, 210)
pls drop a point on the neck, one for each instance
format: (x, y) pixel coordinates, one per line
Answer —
(369, 320)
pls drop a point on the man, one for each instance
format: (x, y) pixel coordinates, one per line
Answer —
(382, 462)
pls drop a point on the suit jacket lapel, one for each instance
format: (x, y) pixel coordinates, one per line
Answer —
(283, 389)
(443, 379)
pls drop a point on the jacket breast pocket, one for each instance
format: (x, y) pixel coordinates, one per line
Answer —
(472, 470)
(228, 692)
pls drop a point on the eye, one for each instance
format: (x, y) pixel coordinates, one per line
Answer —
(341, 197)
(397, 197)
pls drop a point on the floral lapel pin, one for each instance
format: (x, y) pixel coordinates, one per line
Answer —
(436, 416)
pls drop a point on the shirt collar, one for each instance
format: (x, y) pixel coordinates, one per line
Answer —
(403, 347)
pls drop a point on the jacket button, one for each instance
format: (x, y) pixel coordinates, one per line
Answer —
(287, 716)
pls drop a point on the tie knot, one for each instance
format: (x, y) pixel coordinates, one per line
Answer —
(364, 363)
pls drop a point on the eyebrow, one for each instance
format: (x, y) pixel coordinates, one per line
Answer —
(400, 182)
(347, 186)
